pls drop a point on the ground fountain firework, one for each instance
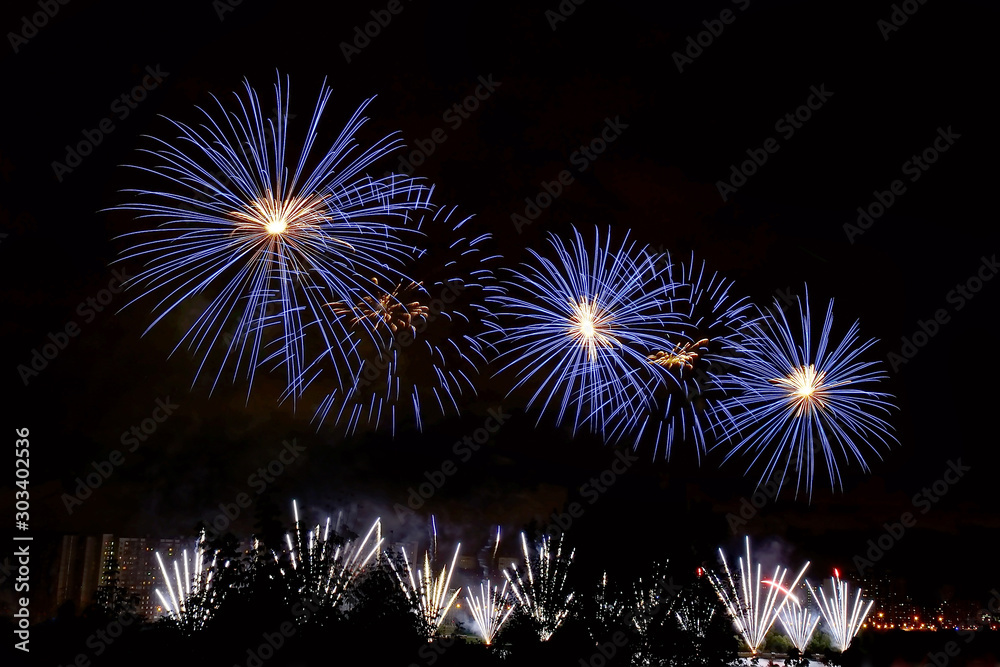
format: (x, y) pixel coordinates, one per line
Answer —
(490, 609)
(799, 622)
(691, 614)
(842, 620)
(542, 593)
(323, 566)
(192, 596)
(431, 595)
(609, 607)
(752, 601)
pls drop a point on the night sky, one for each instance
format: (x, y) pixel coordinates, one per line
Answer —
(888, 94)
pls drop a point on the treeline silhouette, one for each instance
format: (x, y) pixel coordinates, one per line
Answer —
(261, 612)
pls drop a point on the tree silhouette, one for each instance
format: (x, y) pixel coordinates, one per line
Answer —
(111, 599)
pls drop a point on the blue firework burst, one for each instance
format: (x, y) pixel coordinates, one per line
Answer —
(712, 322)
(422, 346)
(576, 330)
(795, 398)
(254, 238)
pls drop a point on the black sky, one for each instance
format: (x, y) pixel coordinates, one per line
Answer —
(783, 229)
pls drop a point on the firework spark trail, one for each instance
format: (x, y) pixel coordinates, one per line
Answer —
(326, 568)
(421, 343)
(752, 617)
(544, 597)
(799, 623)
(265, 235)
(842, 621)
(791, 400)
(434, 538)
(490, 609)
(195, 597)
(429, 594)
(576, 330)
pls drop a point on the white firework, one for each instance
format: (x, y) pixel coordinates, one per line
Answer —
(431, 595)
(692, 614)
(326, 567)
(545, 596)
(192, 597)
(490, 609)
(752, 616)
(843, 620)
(800, 624)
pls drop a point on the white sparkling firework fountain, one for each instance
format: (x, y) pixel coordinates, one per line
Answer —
(843, 620)
(692, 614)
(752, 616)
(647, 597)
(800, 624)
(609, 607)
(544, 597)
(490, 609)
(428, 593)
(326, 567)
(192, 596)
